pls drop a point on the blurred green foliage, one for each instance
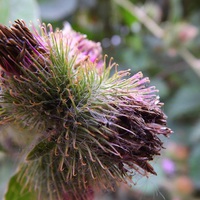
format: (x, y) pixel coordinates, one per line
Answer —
(18, 191)
(132, 45)
(18, 9)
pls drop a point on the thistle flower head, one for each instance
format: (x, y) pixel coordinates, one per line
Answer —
(95, 129)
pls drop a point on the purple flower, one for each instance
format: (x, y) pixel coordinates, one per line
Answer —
(168, 166)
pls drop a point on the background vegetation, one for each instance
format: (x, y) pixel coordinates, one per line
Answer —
(160, 38)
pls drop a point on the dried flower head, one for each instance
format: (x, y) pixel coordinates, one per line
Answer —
(95, 129)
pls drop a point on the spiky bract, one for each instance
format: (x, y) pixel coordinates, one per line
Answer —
(96, 129)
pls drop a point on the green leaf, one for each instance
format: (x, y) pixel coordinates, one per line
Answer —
(185, 102)
(140, 60)
(10, 10)
(195, 134)
(41, 149)
(176, 11)
(128, 17)
(17, 191)
(161, 86)
(4, 11)
(194, 163)
(7, 167)
(135, 42)
(49, 9)
(150, 184)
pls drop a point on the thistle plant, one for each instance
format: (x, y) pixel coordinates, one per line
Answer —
(92, 129)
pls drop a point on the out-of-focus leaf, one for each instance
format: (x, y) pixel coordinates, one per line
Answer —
(52, 10)
(128, 18)
(161, 86)
(195, 134)
(18, 191)
(194, 163)
(185, 102)
(87, 3)
(4, 11)
(41, 149)
(1, 150)
(6, 169)
(194, 17)
(150, 184)
(135, 42)
(10, 10)
(139, 61)
(176, 10)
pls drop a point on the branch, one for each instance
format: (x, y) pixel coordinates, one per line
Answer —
(193, 62)
(142, 17)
